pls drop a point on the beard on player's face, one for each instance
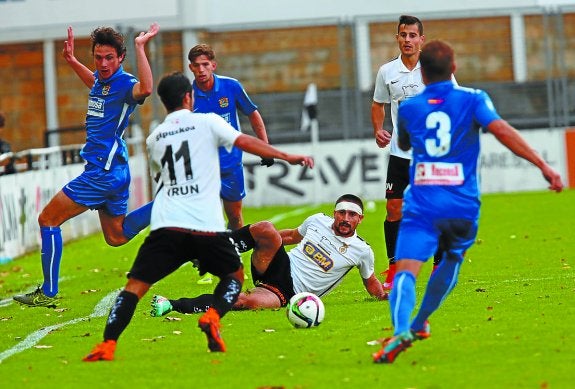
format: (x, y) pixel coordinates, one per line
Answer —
(343, 228)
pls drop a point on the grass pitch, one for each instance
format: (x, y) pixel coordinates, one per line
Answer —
(508, 323)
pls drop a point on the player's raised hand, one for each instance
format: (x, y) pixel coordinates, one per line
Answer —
(144, 37)
(68, 50)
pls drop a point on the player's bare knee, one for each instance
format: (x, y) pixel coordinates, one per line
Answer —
(394, 211)
(46, 220)
(264, 232)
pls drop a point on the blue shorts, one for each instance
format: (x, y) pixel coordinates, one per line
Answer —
(420, 236)
(97, 188)
(233, 188)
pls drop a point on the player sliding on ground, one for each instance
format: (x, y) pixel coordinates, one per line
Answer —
(187, 217)
(327, 249)
(441, 204)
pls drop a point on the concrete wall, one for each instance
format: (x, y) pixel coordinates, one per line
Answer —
(272, 47)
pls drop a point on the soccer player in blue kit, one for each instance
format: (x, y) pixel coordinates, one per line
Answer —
(225, 96)
(104, 184)
(441, 204)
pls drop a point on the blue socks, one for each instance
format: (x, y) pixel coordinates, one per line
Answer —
(51, 256)
(137, 220)
(402, 301)
(440, 284)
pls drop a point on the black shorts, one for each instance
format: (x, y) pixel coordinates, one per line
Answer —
(277, 277)
(397, 177)
(166, 249)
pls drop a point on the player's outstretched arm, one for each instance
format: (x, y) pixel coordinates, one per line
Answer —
(510, 138)
(145, 86)
(85, 74)
(258, 147)
(290, 236)
(375, 288)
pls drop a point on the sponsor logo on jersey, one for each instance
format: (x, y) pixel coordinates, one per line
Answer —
(438, 173)
(181, 130)
(224, 102)
(434, 101)
(96, 106)
(410, 90)
(318, 256)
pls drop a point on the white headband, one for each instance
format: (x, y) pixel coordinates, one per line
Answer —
(348, 206)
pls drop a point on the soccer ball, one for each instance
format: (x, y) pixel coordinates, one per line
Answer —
(305, 310)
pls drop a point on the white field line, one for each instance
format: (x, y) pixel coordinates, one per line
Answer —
(295, 212)
(101, 309)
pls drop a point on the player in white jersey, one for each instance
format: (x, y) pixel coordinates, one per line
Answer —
(397, 81)
(187, 221)
(327, 249)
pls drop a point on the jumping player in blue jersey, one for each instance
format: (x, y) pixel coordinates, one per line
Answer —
(225, 96)
(441, 203)
(104, 184)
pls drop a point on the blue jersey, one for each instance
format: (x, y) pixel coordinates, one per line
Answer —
(442, 125)
(110, 104)
(226, 98)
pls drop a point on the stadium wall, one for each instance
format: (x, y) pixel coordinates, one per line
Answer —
(357, 166)
(360, 167)
(282, 59)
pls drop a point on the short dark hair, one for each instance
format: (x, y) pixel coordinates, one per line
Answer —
(107, 36)
(201, 49)
(437, 59)
(410, 20)
(351, 198)
(172, 89)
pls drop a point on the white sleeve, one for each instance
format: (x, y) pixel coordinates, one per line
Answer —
(366, 264)
(226, 135)
(150, 142)
(381, 91)
(302, 229)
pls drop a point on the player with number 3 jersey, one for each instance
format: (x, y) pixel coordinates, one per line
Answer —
(441, 204)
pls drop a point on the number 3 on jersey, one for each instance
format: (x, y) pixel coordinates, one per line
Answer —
(441, 143)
